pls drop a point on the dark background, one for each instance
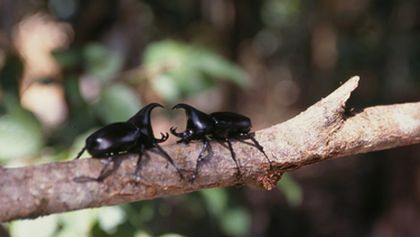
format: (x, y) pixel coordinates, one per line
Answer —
(68, 66)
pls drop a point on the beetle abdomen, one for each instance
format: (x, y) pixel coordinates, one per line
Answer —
(112, 139)
(229, 123)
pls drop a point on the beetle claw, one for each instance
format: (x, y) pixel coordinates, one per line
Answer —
(173, 131)
(164, 137)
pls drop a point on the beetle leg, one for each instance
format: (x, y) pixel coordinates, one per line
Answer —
(185, 136)
(201, 158)
(80, 153)
(259, 147)
(256, 145)
(102, 175)
(105, 172)
(206, 147)
(138, 163)
(168, 158)
(233, 156)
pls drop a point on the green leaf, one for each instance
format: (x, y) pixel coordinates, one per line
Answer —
(77, 223)
(216, 200)
(11, 74)
(142, 234)
(110, 218)
(180, 70)
(40, 227)
(217, 67)
(166, 53)
(67, 58)
(117, 103)
(102, 62)
(166, 87)
(292, 191)
(280, 13)
(20, 135)
(235, 222)
(171, 235)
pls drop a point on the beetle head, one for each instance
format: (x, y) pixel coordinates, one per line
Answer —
(197, 120)
(189, 110)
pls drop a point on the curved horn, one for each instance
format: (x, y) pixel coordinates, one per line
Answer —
(196, 120)
(189, 110)
(184, 106)
(142, 118)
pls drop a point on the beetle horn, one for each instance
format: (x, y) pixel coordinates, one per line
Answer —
(189, 110)
(183, 106)
(142, 118)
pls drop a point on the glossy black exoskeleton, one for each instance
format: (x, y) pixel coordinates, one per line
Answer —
(219, 126)
(133, 136)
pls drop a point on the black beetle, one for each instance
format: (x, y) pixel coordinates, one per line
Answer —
(133, 136)
(218, 126)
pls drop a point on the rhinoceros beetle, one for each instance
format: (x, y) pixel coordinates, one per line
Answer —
(133, 136)
(219, 126)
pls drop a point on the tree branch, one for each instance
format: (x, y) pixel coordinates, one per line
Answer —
(325, 130)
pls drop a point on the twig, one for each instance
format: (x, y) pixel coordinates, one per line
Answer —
(325, 130)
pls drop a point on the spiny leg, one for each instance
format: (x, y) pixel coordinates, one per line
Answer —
(168, 158)
(259, 147)
(256, 145)
(201, 158)
(233, 156)
(185, 136)
(102, 175)
(104, 172)
(138, 163)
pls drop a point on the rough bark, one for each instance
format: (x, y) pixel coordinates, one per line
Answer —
(325, 130)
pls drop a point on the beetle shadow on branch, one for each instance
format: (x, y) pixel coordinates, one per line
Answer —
(106, 171)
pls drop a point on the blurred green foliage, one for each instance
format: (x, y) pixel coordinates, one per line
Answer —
(291, 190)
(180, 70)
(17, 125)
(117, 103)
(102, 63)
(20, 134)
